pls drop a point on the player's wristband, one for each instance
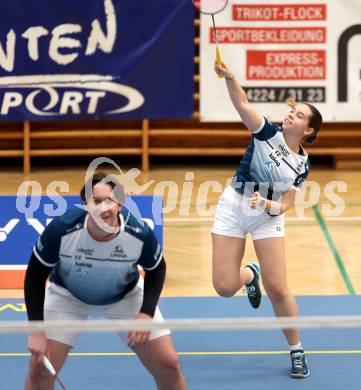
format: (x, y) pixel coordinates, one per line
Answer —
(229, 78)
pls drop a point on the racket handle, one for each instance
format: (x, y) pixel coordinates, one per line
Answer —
(49, 366)
(218, 60)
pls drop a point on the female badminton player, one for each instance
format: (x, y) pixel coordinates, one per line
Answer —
(262, 190)
(92, 256)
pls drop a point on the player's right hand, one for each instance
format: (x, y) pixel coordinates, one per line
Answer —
(37, 345)
(223, 70)
(137, 338)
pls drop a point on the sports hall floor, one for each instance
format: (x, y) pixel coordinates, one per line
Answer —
(324, 268)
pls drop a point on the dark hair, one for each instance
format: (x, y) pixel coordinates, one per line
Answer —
(110, 180)
(315, 122)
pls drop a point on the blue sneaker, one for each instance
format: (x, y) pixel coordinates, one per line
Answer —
(299, 367)
(253, 290)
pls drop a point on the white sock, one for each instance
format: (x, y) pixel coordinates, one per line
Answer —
(252, 275)
(295, 347)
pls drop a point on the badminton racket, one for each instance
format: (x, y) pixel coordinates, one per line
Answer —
(52, 371)
(212, 7)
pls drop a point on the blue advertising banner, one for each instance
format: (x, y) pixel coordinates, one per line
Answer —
(90, 59)
(21, 222)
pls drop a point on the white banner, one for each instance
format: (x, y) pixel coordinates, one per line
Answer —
(309, 50)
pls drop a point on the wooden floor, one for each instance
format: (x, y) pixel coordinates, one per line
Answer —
(315, 257)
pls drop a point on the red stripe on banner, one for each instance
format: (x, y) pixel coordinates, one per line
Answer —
(286, 65)
(12, 278)
(273, 35)
(282, 12)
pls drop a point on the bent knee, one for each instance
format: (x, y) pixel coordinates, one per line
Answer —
(171, 365)
(39, 374)
(224, 290)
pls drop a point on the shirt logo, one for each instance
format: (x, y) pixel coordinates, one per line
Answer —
(85, 251)
(283, 149)
(83, 264)
(274, 158)
(269, 166)
(82, 272)
(118, 252)
(299, 166)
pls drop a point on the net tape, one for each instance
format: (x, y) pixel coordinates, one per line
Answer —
(184, 324)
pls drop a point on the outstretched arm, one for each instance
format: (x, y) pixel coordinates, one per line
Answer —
(250, 117)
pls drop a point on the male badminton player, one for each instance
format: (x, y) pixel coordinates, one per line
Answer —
(263, 189)
(93, 271)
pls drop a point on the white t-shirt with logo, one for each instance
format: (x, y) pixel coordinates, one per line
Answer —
(269, 165)
(97, 272)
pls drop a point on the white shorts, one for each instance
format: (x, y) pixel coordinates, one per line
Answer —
(235, 218)
(60, 304)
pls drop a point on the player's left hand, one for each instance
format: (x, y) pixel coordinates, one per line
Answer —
(136, 338)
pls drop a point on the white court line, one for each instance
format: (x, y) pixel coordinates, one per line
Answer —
(209, 219)
(343, 218)
(190, 219)
(205, 219)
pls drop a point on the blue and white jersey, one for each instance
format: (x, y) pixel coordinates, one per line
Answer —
(97, 272)
(269, 165)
